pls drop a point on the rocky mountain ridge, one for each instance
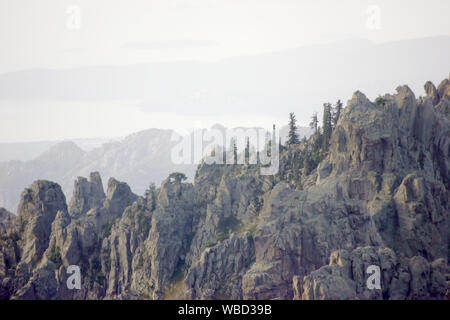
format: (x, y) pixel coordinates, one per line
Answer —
(379, 196)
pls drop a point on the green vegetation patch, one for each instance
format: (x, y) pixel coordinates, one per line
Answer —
(55, 257)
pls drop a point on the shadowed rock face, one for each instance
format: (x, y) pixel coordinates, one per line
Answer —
(345, 277)
(37, 209)
(380, 196)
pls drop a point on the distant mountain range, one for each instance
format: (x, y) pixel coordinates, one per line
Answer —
(140, 159)
(25, 151)
(272, 84)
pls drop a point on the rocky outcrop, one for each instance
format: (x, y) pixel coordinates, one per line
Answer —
(383, 186)
(168, 240)
(346, 277)
(444, 89)
(86, 195)
(123, 253)
(9, 252)
(378, 197)
(432, 92)
(37, 209)
(218, 273)
(118, 197)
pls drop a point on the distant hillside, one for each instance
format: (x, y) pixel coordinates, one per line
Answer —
(25, 151)
(139, 159)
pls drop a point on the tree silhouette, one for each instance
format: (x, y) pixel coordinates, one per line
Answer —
(327, 126)
(235, 153)
(314, 123)
(337, 113)
(292, 136)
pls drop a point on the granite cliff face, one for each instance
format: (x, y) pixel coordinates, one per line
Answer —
(379, 196)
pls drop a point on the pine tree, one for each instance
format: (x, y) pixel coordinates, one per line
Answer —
(235, 153)
(337, 113)
(273, 140)
(292, 136)
(150, 196)
(314, 123)
(318, 139)
(268, 144)
(230, 154)
(247, 150)
(327, 126)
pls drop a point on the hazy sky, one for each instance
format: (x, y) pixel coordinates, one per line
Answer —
(57, 34)
(38, 33)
